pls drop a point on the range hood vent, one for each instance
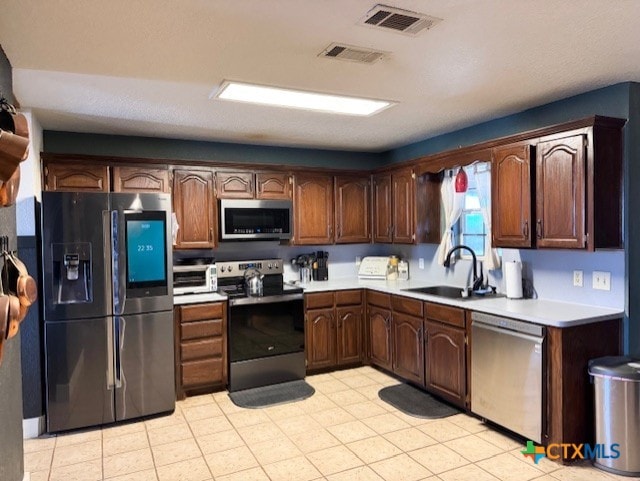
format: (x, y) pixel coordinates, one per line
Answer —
(342, 51)
(399, 20)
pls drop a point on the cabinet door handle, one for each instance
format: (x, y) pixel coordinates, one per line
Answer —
(211, 234)
(539, 228)
(525, 229)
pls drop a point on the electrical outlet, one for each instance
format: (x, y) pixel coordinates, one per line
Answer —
(601, 280)
(420, 263)
(358, 260)
(577, 278)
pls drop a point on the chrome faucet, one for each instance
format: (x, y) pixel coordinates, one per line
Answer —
(477, 281)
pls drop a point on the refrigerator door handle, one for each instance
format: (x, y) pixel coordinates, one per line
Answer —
(118, 282)
(119, 324)
(106, 247)
(110, 361)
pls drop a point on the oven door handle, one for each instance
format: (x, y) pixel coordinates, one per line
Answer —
(243, 301)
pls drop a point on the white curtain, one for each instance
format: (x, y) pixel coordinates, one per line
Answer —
(483, 187)
(452, 203)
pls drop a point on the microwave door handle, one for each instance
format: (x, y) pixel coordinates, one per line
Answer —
(119, 283)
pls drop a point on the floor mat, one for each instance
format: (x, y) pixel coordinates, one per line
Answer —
(265, 396)
(415, 402)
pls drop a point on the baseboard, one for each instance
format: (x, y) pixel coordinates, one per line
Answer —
(32, 427)
(27, 477)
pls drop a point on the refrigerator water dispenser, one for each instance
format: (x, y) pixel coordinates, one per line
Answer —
(72, 272)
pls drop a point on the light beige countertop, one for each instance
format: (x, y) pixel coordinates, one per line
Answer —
(539, 311)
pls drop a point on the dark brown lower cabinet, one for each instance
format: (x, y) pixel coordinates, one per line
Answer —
(408, 347)
(349, 334)
(445, 361)
(200, 348)
(333, 329)
(379, 320)
(320, 335)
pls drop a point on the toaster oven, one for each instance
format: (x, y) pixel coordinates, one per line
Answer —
(194, 279)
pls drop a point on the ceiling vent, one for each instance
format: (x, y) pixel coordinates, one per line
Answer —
(403, 21)
(342, 51)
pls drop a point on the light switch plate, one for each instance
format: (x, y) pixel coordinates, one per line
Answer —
(578, 278)
(420, 263)
(601, 280)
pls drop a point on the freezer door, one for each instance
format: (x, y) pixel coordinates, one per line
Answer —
(144, 365)
(142, 254)
(79, 371)
(75, 246)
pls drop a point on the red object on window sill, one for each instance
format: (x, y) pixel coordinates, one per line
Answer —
(462, 181)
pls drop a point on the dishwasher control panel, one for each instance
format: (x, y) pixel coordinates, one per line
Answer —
(506, 323)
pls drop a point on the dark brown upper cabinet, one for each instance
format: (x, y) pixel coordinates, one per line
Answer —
(394, 207)
(511, 206)
(427, 199)
(76, 177)
(313, 209)
(235, 185)
(195, 209)
(247, 185)
(382, 225)
(579, 187)
(273, 185)
(560, 193)
(403, 207)
(352, 209)
(140, 179)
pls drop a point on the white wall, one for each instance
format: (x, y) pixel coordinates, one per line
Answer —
(30, 181)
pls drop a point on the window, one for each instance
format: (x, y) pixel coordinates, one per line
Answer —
(470, 229)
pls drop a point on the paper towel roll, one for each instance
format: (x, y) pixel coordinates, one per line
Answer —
(513, 279)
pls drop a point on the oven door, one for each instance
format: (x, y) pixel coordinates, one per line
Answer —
(266, 340)
(265, 326)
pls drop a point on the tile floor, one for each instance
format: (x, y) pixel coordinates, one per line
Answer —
(343, 432)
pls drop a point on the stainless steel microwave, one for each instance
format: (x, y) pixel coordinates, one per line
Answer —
(244, 219)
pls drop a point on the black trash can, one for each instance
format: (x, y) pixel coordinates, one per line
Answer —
(616, 382)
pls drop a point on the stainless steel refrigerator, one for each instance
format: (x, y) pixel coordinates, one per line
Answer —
(108, 323)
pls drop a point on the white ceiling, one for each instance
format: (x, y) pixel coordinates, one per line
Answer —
(148, 67)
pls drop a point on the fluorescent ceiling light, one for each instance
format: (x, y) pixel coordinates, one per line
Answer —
(298, 99)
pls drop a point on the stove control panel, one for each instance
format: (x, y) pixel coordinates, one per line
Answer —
(237, 268)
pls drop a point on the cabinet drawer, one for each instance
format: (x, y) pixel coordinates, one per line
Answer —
(198, 373)
(195, 330)
(348, 298)
(319, 299)
(446, 314)
(379, 299)
(407, 305)
(201, 312)
(192, 350)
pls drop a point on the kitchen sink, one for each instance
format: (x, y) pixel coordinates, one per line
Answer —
(452, 292)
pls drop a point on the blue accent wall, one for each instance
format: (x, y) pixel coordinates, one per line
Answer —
(632, 227)
(174, 149)
(612, 101)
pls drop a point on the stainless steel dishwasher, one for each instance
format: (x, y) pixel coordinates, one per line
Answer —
(507, 365)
